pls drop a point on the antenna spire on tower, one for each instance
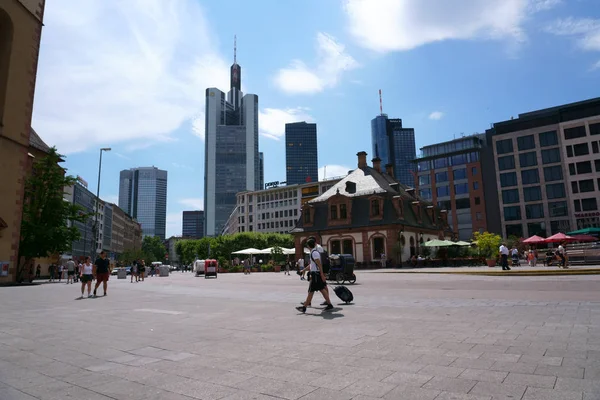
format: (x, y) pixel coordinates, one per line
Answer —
(380, 103)
(234, 48)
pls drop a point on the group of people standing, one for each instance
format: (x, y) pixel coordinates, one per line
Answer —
(532, 256)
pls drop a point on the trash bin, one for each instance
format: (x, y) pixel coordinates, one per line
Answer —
(121, 273)
(163, 270)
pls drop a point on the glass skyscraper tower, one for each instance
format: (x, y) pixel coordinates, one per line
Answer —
(301, 161)
(395, 145)
(232, 162)
(143, 195)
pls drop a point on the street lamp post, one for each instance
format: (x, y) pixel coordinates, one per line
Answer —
(96, 226)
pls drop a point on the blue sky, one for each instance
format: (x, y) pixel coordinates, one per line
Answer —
(132, 75)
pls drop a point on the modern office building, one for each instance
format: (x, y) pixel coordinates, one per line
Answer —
(79, 194)
(261, 170)
(301, 161)
(450, 176)
(547, 167)
(143, 195)
(394, 144)
(275, 209)
(232, 160)
(193, 224)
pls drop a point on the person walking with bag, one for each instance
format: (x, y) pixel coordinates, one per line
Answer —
(318, 282)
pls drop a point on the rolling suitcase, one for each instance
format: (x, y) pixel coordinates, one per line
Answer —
(344, 294)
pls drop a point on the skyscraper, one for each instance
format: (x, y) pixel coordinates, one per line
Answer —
(232, 162)
(193, 224)
(395, 145)
(261, 170)
(143, 195)
(301, 163)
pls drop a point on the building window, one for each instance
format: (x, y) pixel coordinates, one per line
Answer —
(574, 133)
(586, 185)
(424, 179)
(506, 162)
(508, 179)
(441, 177)
(343, 212)
(597, 165)
(530, 176)
(442, 191)
(510, 196)
(460, 174)
(574, 187)
(306, 216)
(475, 185)
(477, 201)
(525, 142)
(335, 247)
(577, 204)
(553, 173)
(550, 156)
(295, 212)
(594, 129)
(512, 213)
(473, 171)
(556, 190)
(425, 193)
(504, 146)
(569, 151)
(572, 169)
(558, 209)
(584, 167)
(348, 246)
(459, 159)
(462, 204)
(534, 211)
(536, 228)
(581, 149)
(528, 159)
(532, 193)
(589, 204)
(478, 216)
(461, 188)
(374, 208)
(424, 165)
(548, 139)
(595, 149)
(440, 162)
(514, 230)
(378, 247)
(333, 211)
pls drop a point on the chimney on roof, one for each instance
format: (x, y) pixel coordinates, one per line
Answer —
(389, 169)
(362, 159)
(377, 164)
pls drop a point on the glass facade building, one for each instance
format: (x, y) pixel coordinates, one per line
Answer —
(193, 224)
(232, 162)
(301, 159)
(143, 195)
(395, 145)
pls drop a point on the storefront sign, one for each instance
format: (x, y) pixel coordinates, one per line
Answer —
(4, 268)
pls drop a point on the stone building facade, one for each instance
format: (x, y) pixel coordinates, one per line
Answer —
(20, 33)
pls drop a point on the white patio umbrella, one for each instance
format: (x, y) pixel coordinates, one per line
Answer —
(250, 251)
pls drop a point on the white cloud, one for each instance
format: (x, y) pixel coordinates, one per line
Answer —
(596, 66)
(174, 224)
(392, 25)
(332, 61)
(271, 121)
(585, 30)
(436, 115)
(113, 71)
(194, 203)
(333, 171)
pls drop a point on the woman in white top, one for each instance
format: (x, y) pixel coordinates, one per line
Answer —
(87, 276)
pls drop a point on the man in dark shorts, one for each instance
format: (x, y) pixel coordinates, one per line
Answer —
(318, 283)
(101, 272)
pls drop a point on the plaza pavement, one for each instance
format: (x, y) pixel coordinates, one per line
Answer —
(407, 336)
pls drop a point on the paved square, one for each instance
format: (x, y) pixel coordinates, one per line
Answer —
(407, 336)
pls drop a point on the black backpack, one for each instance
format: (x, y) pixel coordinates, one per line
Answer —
(325, 263)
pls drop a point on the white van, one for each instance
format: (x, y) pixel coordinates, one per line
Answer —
(199, 267)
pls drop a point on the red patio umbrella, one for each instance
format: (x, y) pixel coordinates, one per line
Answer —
(585, 238)
(559, 237)
(535, 239)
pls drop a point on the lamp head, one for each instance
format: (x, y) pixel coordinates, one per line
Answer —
(105, 149)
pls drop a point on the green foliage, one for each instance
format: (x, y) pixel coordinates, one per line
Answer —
(154, 249)
(277, 254)
(425, 251)
(515, 241)
(488, 244)
(45, 227)
(128, 256)
(221, 247)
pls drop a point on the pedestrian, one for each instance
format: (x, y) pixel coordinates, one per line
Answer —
(134, 271)
(70, 271)
(38, 271)
(287, 267)
(300, 264)
(142, 271)
(535, 257)
(318, 283)
(101, 272)
(86, 275)
(60, 272)
(562, 253)
(246, 267)
(504, 257)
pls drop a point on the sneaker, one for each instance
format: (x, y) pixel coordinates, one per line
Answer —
(89, 296)
(303, 304)
(329, 307)
(105, 293)
(324, 303)
(302, 309)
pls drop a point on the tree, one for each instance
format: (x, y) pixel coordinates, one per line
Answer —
(277, 254)
(488, 244)
(154, 249)
(129, 256)
(45, 227)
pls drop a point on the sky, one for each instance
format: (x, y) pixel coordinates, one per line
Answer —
(131, 75)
